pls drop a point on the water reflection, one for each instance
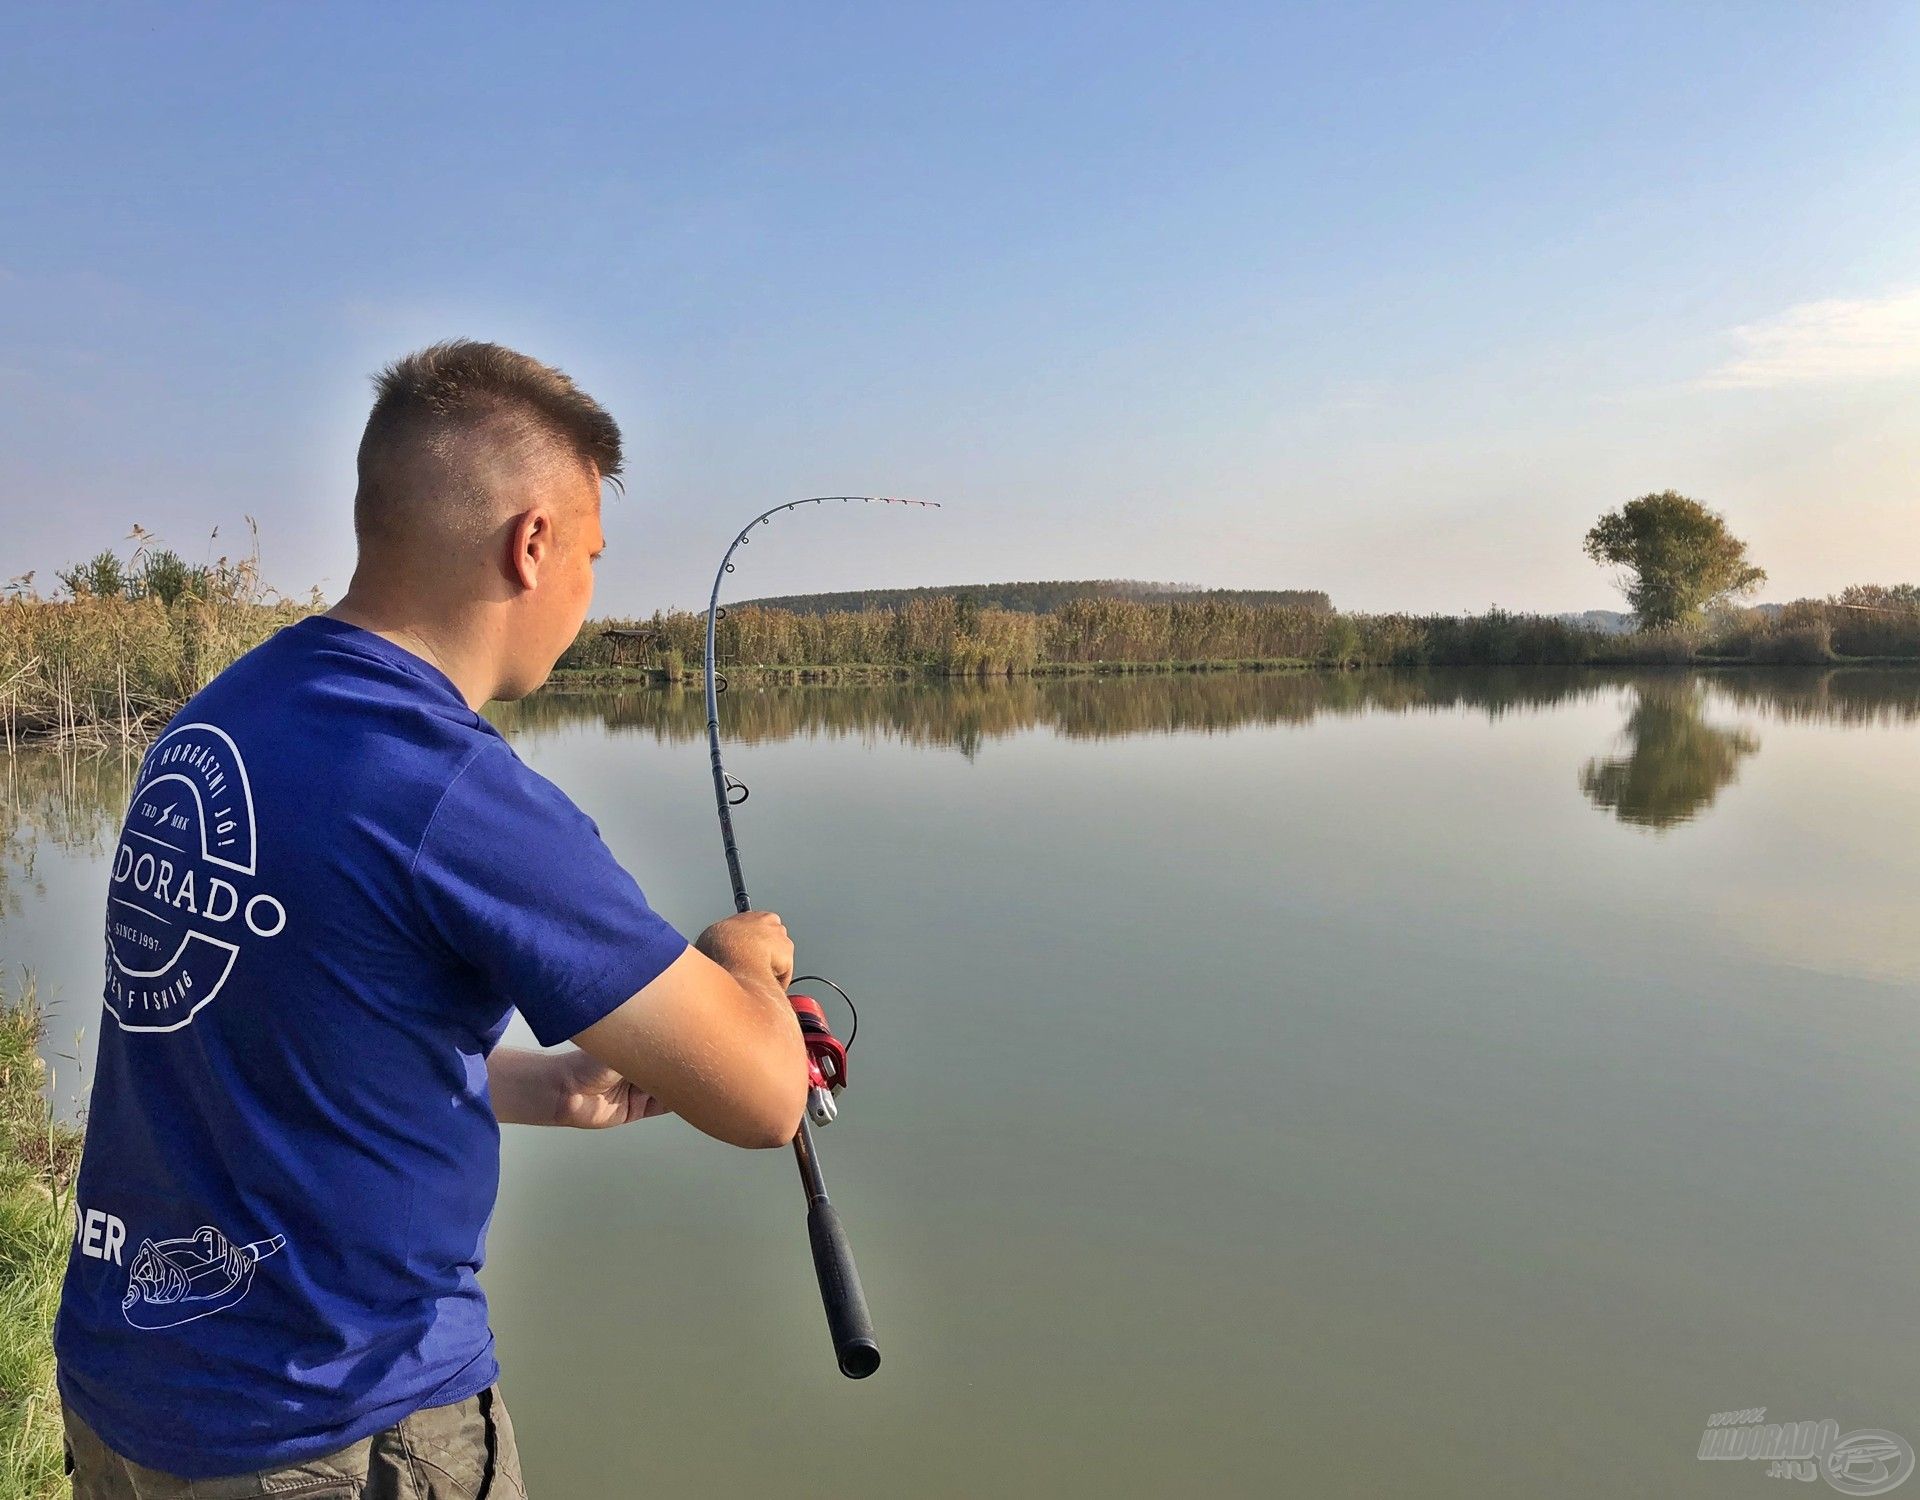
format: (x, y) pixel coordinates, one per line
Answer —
(1676, 762)
(967, 715)
(55, 800)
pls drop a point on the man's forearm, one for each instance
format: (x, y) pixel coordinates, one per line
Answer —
(525, 1086)
(721, 1049)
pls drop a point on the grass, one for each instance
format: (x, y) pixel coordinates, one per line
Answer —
(38, 1158)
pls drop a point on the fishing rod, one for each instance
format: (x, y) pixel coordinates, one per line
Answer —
(848, 1320)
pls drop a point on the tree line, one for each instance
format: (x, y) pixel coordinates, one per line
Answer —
(945, 636)
(1681, 568)
(1040, 598)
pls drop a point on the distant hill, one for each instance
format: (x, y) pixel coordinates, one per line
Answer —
(1044, 598)
(1614, 622)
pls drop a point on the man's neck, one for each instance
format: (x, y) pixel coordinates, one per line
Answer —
(449, 648)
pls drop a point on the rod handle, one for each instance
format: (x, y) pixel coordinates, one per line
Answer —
(847, 1317)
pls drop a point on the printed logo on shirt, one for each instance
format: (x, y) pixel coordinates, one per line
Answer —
(99, 1234)
(177, 1281)
(182, 896)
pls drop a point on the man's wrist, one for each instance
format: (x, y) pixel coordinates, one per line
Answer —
(527, 1088)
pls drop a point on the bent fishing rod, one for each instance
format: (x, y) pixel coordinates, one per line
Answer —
(846, 1304)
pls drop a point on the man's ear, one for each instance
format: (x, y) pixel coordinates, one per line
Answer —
(531, 546)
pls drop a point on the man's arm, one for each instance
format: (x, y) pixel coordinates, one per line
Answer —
(571, 1088)
(713, 1039)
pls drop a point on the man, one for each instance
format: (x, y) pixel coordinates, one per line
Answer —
(335, 883)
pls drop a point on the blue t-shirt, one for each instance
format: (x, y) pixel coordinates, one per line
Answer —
(334, 884)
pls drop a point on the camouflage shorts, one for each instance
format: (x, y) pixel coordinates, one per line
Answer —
(460, 1452)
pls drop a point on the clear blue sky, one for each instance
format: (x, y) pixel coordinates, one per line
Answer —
(1386, 299)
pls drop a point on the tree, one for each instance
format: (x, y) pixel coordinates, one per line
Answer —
(1892, 598)
(165, 575)
(99, 577)
(1679, 556)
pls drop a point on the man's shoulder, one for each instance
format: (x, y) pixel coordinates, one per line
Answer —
(312, 677)
(307, 714)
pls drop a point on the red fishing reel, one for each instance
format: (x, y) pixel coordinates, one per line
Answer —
(826, 1058)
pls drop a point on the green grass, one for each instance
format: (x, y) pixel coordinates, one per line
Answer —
(38, 1158)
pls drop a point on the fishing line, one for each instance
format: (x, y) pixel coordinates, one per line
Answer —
(725, 785)
(854, 1009)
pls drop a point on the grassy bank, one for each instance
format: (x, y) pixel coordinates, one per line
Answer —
(38, 1158)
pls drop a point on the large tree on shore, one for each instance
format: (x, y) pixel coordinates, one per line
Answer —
(1679, 558)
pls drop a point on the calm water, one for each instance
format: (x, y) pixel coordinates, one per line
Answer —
(1313, 1085)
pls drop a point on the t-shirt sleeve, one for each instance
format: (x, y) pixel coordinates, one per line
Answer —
(517, 880)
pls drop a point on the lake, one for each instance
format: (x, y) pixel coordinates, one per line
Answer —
(1321, 1084)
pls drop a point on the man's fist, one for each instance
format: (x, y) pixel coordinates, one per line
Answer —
(589, 1095)
(752, 945)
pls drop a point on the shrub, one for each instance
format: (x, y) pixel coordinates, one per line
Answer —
(1810, 642)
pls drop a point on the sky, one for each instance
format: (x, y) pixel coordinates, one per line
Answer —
(1388, 300)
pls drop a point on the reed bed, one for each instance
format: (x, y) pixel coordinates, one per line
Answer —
(944, 636)
(107, 664)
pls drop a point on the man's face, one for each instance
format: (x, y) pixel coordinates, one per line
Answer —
(553, 610)
(581, 543)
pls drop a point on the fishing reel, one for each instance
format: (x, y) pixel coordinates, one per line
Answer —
(826, 1059)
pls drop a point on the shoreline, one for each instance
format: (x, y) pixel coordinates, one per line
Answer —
(107, 732)
(587, 679)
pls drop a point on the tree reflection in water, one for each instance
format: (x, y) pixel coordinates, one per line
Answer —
(1676, 763)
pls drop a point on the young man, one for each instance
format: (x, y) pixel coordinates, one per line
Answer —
(334, 884)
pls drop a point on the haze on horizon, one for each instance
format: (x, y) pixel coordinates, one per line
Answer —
(1386, 300)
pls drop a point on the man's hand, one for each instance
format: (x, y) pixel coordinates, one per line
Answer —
(563, 1088)
(713, 1033)
(593, 1096)
(753, 946)
(714, 1036)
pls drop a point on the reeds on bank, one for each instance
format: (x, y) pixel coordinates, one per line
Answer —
(110, 661)
(945, 636)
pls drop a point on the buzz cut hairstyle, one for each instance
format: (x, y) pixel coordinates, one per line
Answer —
(433, 395)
